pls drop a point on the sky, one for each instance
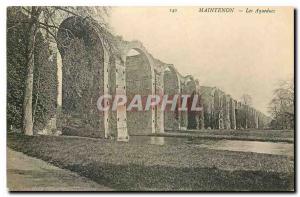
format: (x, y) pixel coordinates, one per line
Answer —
(240, 53)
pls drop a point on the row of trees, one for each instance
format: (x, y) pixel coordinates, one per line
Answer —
(282, 106)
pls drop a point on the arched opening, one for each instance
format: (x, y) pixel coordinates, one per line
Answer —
(207, 96)
(82, 75)
(218, 112)
(243, 114)
(238, 115)
(171, 88)
(232, 110)
(189, 117)
(226, 111)
(139, 81)
(192, 122)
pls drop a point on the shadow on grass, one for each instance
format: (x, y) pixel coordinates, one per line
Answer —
(136, 177)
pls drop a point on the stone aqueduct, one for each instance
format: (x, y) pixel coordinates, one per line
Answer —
(117, 72)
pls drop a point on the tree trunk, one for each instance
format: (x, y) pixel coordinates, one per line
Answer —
(27, 104)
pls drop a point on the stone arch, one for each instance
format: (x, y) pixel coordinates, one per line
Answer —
(139, 79)
(226, 111)
(252, 118)
(232, 111)
(244, 116)
(189, 118)
(207, 96)
(159, 90)
(256, 119)
(200, 114)
(84, 60)
(218, 109)
(239, 115)
(171, 87)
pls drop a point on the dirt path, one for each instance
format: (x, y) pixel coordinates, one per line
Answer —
(25, 173)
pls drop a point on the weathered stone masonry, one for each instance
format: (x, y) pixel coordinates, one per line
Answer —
(112, 69)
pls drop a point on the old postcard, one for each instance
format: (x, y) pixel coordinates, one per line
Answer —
(150, 98)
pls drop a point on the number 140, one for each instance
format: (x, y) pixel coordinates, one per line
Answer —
(173, 10)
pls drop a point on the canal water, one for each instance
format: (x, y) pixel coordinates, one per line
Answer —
(275, 148)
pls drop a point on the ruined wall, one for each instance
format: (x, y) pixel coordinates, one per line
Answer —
(171, 88)
(189, 119)
(245, 116)
(201, 125)
(239, 115)
(256, 120)
(159, 114)
(138, 81)
(193, 116)
(232, 114)
(200, 114)
(251, 118)
(207, 97)
(83, 68)
(121, 108)
(218, 110)
(112, 115)
(88, 73)
(226, 112)
(133, 75)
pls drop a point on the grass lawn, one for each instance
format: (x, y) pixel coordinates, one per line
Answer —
(127, 166)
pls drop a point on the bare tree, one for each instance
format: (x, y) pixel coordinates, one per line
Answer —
(282, 105)
(27, 105)
(246, 99)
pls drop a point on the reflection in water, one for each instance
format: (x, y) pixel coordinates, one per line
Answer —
(157, 140)
(230, 145)
(254, 146)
